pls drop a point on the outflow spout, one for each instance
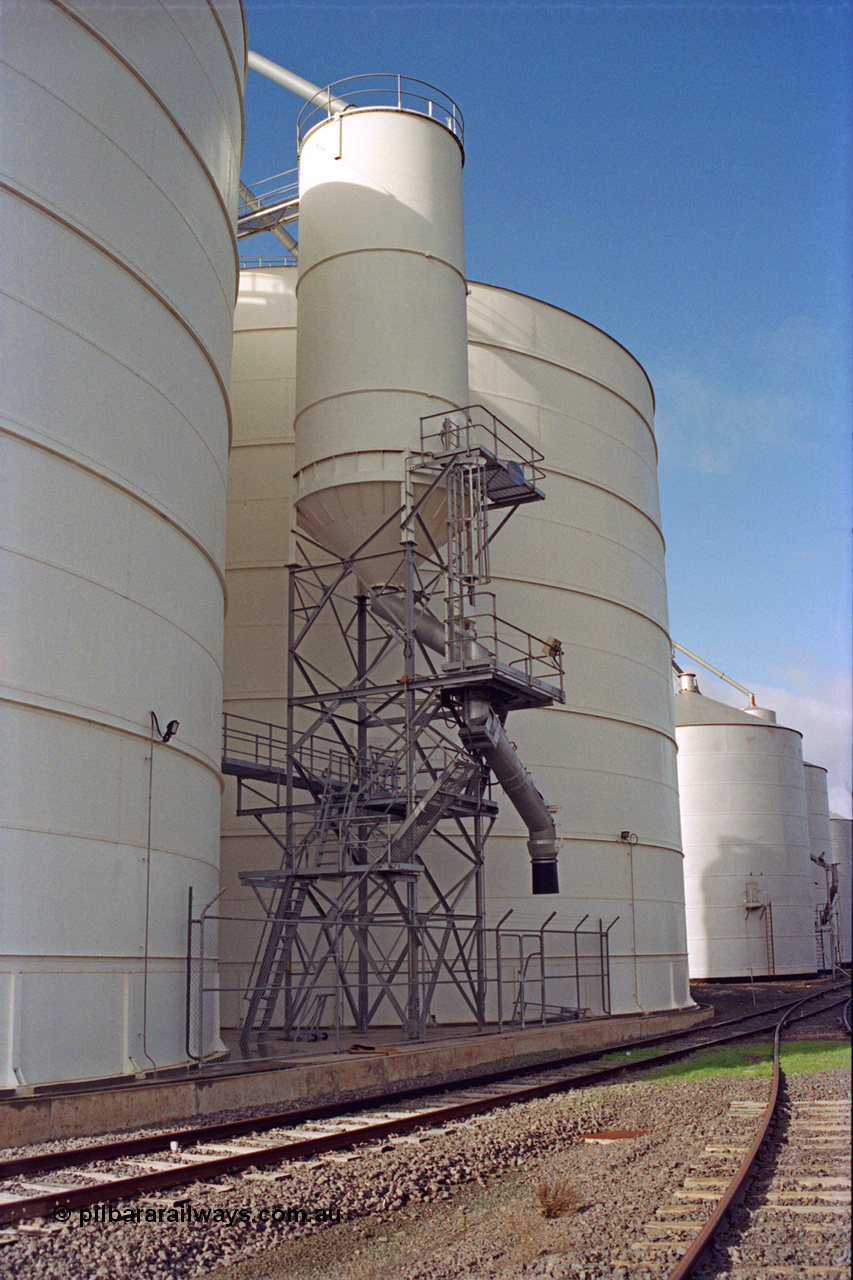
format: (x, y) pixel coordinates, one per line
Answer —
(484, 734)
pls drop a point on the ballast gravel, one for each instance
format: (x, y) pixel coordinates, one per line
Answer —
(446, 1204)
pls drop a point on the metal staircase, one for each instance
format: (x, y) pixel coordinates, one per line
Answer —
(359, 916)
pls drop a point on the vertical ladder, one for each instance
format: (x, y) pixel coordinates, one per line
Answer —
(467, 545)
(768, 934)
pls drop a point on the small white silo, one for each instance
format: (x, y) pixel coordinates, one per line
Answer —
(588, 565)
(744, 819)
(121, 141)
(260, 514)
(381, 293)
(842, 857)
(820, 848)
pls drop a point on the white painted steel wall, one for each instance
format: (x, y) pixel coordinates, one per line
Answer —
(746, 838)
(381, 311)
(260, 513)
(820, 833)
(121, 142)
(587, 566)
(842, 854)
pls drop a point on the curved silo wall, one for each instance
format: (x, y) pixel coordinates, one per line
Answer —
(744, 817)
(587, 565)
(381, 311)
(260, 514)
(820, 846)
(121, 141)
(842, 855)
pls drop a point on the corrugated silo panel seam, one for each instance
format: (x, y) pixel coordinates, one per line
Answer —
(126, 269)
(69, 457)
(568, 368)
(101, 720)
(597, 595)
(356, 253)
(585, 323)
(228, 215)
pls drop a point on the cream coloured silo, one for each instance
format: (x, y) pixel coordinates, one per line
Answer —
(121, 142)
(260, 514)
(842, 857)
(744, 818)
(587, 565)
(381, 292)
(820, 847)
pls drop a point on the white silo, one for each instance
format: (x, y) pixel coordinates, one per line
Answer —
(607, 760)
(842, 858)
(381, 291)
(744, 818)
(588, 565)
(820, 849)
(260, 514)
(121, 141)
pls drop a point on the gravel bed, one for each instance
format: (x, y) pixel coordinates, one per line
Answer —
(450, 1204)
(458, 1202)
(727, 999)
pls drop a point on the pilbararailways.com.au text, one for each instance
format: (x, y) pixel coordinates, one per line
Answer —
(183, 1211)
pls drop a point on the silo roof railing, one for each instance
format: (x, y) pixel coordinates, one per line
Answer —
(381, 89)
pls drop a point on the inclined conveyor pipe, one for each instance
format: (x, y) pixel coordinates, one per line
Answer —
(296, 84)
(485, 734)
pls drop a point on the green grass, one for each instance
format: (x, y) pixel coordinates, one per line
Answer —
(797, 1056)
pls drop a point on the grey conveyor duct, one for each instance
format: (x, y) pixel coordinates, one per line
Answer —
(485, 734)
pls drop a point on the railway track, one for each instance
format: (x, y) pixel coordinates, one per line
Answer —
(768, 1164)
(54, 1183)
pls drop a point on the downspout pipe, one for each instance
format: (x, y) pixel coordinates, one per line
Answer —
(296, 84)
(484, 734)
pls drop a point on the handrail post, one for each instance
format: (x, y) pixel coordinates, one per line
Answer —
(498, 962)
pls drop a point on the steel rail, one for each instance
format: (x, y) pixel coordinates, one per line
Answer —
(44, 1162)
(703, 1241)
(49, 1161)
(184, 1174)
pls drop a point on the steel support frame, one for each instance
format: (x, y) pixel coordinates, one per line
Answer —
(362, 919)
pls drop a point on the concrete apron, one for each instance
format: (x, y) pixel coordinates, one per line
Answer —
(86, 1109)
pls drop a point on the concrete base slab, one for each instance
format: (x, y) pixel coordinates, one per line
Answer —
(118, 1107)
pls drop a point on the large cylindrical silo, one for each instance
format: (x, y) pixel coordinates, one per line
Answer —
(820, 847)
(260, 514)
(842, 857)
(744, 817)
(121, 143)
(381, 310)
(588, 565)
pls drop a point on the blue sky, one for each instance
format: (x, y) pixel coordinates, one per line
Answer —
(678, 174)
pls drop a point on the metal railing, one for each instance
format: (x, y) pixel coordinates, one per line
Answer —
(534, 657)
(254, 742)
(475, 428)
(552, 980)
(381, 89)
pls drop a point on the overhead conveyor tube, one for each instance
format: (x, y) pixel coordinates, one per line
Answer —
(296, 84)
(485, 734)
(427, 627)
(283, 237)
